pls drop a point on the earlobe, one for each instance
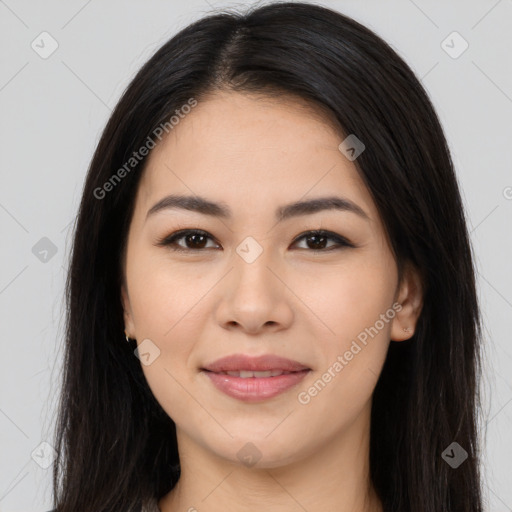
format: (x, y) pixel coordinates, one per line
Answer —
(410, 297)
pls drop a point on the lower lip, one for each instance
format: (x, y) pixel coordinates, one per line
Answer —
(254, 389)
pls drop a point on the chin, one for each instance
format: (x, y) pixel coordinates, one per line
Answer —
(253, 452)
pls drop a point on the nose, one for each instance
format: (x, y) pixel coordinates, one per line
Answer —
(254, 298)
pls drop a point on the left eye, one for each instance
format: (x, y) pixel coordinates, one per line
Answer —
(319, 237)
(197, 239)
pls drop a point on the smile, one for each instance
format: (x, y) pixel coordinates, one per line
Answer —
(250, 386)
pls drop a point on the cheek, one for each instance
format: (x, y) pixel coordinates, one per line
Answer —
(163, 295)
(166, 306)
(351, 297)
(167, 309)
(357, 308)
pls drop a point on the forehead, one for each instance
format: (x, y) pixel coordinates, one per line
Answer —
(236, 147)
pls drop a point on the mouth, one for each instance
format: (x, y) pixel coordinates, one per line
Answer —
(257, 364)
(246, 374)
(254, 379)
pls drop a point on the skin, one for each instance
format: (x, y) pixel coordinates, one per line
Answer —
(255, 154)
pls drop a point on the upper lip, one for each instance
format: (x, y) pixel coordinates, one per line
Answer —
(237, 362)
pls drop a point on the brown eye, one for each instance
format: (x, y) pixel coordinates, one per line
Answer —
(196, 240)
(318, 239)
(193, 240)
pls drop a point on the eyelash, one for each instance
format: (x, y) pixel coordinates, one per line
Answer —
(171, 239)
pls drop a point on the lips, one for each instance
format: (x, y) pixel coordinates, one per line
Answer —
(245, 374)
(265, 363)
(254, 379)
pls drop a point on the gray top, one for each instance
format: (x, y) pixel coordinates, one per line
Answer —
(153, 507)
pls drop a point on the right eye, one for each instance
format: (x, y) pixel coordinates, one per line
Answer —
(193, 237)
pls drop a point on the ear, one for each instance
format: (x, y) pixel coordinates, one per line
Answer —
(129, 326)
(410, 296)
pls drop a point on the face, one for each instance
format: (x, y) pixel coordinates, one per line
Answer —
(255, 283)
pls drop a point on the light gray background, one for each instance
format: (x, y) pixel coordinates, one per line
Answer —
(53, 111)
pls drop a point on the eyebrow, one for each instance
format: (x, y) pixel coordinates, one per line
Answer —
(206, 207)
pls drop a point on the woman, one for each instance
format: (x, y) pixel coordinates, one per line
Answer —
(271, 297)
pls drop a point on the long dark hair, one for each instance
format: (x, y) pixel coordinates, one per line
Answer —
(116, 446)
